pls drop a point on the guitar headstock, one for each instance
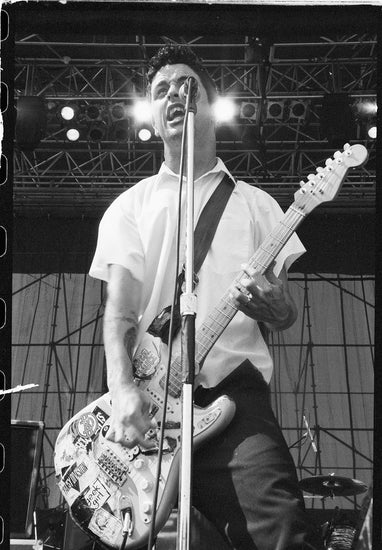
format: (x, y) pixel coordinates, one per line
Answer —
(326, 183)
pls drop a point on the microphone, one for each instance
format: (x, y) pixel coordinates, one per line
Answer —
(309, 433)
(189, 86)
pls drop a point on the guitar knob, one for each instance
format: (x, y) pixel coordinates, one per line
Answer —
(146, 485)
(139, 463)
(146, 508)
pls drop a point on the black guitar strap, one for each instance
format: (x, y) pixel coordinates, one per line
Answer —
(203, 236)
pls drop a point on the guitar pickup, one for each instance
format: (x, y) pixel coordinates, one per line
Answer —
(171, 425)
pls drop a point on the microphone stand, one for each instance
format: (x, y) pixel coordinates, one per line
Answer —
(188, 312)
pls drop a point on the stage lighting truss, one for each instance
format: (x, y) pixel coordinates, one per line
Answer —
(80, 121)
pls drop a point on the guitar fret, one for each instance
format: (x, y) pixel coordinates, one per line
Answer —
(222, 313)
(223, 324)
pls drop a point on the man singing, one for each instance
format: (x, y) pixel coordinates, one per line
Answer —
(244, 479)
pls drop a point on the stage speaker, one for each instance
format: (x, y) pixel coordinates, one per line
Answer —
(25, 452)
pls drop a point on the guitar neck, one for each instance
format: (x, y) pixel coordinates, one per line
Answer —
(319, 188)
(224, 311)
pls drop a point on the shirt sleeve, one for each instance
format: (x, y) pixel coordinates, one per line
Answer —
(118, 241)
(268, 214)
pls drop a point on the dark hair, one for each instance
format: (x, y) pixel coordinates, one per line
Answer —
(174, 53)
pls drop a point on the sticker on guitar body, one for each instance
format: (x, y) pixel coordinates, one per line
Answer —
(96, 495)
(105, 525)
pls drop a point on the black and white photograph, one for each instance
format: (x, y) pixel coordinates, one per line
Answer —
(188, 256)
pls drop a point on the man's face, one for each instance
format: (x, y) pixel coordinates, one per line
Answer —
(168, 108)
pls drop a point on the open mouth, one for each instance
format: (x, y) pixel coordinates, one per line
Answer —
(175, 112)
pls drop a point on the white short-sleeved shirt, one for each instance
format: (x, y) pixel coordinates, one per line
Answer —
(138, 231)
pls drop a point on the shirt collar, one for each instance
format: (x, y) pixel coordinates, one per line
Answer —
(219, 167)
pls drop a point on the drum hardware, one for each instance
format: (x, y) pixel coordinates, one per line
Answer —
(340, 532)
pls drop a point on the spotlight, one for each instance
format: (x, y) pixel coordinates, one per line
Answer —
(31, 120)
(144, 134)
(298, 109)
(337, 119)
(97, 131)
(366, 108)
(372, 130)
(248, 110)
(120, 130)
(67, 112)
(118, 112)
(93, 112)
(73, 134)
(141, 110)
(224, 109)
(275, 110)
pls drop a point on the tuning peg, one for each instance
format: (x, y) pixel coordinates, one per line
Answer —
(347, 149)
(302, 183)
(320, 171)
(347, 146)
(312, 179)
(337, 155)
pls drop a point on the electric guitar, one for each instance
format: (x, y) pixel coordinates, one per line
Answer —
(109, 488)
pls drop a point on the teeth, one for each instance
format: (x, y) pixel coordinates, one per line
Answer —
(177, 112)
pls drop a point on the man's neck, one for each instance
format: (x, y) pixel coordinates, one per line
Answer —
(204, 161)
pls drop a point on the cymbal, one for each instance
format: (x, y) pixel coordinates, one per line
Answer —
(329, 486)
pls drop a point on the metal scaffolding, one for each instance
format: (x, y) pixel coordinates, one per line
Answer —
(271, 151)
(66, 359)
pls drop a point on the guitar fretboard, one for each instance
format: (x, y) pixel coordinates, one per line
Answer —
(224, 311)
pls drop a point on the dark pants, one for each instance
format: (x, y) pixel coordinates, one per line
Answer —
(245, 480)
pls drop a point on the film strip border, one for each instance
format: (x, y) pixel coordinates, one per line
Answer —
(6, 215)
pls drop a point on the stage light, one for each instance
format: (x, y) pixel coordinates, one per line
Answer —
(73, 134)
(367, 108)
(118, 112)
(224, 109)
(120, 130)
(298, 109)
(97, 130)
(144, 134)
(67, 112)
(372, 130)
(93, 113)
(141, 111)
(249, 110)
(275, 110)
(337, 121)
(31, 120)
